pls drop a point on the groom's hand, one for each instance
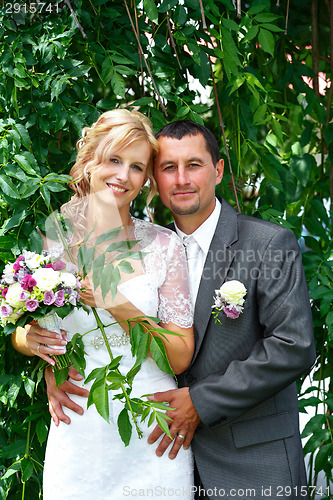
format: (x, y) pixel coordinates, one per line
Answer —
(58, 396)
(185, 420)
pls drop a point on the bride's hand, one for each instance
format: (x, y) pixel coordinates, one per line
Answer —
(37, 338)
(93, 297)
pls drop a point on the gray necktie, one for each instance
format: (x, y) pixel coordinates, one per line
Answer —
(192, 250)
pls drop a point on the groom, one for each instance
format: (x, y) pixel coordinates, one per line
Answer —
(237, 402)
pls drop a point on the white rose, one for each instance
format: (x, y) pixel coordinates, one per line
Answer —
(13, 295)
(233, 292)
(47, 279)
(68, 279)
(35, 261)
(8, 274)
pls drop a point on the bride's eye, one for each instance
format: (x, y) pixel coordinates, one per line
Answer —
(114, 160)
(137, 167)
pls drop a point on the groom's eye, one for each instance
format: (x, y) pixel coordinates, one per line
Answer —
(169, 167)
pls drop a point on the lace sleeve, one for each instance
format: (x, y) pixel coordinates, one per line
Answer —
(175, 305)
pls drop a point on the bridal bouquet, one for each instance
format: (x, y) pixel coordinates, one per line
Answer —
(35, 285)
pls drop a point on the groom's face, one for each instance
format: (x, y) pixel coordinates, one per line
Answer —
(186, 177)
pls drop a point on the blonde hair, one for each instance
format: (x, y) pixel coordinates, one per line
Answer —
(113, 131)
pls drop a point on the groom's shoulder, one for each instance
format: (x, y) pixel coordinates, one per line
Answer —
(262, 230)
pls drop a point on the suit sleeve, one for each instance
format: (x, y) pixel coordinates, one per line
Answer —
(286, 347)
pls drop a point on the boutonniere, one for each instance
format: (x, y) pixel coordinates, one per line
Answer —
(229, 299)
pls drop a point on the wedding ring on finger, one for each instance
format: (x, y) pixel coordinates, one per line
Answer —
(38, 347)
(180, 436)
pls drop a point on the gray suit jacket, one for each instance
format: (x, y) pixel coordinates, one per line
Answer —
(242, 374)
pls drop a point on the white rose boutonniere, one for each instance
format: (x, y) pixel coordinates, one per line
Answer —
(229, 299)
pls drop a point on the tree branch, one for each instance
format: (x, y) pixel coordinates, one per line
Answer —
(144, 59)
(67, 2)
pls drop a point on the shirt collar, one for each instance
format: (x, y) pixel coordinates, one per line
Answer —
(204, 234)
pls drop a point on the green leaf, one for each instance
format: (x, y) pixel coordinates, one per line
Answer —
(266, 41)
(322, 457)
(29, 386)
(125, 267)
(230, 52)
(141, 344)
(36, 242)
(27, 469)
(13, 469)
(97, 373)
(266, 17)
(313, 425)
(45, 195)
(121, 246)
(161, 420)
(42, 430)
(98, 267)
(124, 426)
(85, 259)
(27, 162)
(15, 221)
(61, 375)
(24, 134)
(14, 450)
(99, 395)
(316, 440)
(301, 167)
(167, 5)
(151, 10)
(108, 235)
(252, 33)
(118, 85)
(158, 353)
(8, 187)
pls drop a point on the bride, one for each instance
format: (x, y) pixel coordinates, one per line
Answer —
(87, 459)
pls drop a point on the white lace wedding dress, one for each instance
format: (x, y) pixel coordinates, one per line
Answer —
(87, 460)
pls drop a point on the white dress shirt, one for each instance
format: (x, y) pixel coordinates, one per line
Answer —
(198, 244)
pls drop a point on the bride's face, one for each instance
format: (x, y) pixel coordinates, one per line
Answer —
(118, 180)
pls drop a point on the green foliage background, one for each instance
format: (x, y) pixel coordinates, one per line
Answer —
(59, 72)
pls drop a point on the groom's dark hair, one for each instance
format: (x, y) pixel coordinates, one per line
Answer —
(181, 128)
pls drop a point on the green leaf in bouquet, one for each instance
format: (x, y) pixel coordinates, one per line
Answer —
(125, 267)
(124, 426)
(64, 311)
(61, 375)
(78, 362)
(108, 235)
(158, 353)
(97, 374)
(98, 396)
(121, 246)
(98, 267)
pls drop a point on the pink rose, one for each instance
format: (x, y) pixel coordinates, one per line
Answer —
(231, 312)
(31, 305)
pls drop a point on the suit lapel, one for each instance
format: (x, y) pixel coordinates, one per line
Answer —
(217, 264)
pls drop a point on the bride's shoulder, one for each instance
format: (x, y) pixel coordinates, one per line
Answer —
(163, 234)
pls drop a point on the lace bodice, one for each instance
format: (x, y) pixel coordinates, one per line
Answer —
(163, 288)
